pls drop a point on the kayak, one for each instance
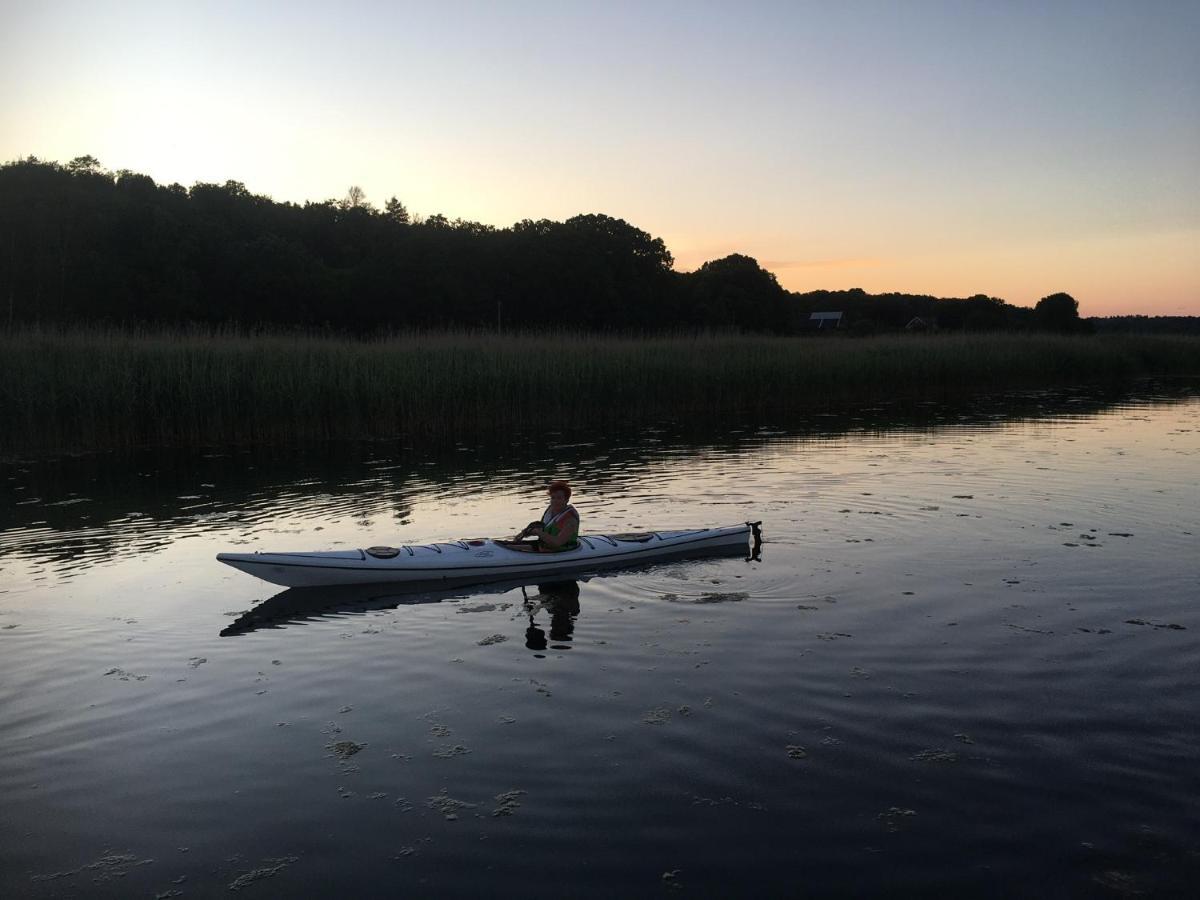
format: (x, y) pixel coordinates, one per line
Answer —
(483, 559)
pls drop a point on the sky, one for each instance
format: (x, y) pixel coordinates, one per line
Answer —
(1008, 148)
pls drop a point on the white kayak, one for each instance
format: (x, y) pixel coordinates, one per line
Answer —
(483, 559)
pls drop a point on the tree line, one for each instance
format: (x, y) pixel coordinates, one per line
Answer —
(1146, 324)
(82, 244)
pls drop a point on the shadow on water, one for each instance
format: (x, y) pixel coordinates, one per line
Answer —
(68, 513)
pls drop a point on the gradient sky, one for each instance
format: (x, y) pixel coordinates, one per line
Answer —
(1009, 148)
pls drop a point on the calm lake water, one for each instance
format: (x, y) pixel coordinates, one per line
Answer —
(967, 663)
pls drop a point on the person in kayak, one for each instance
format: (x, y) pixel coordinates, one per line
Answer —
(558, 528)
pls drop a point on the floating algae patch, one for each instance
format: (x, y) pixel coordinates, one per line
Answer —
(657, 716)
(447, 805)
(892, 817)
(344, 749)
(477, 608)
(1120, 883)
(1170, 625)
(110, 865)
(935, 755)
(272, 867)
(126, 676)
(450, 752)
(697, 800)
(439, 730)
(1029, 630)
(491, 639)
(509, 801)
(794, 751)
(709, 597)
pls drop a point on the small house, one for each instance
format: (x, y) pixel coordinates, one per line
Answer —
(821, 320)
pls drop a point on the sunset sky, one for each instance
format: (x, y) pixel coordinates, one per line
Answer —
(1009, 148)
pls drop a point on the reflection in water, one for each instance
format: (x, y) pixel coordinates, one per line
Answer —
(302, 604)
(68, 514)
(756, 542)
(942, 628)
(560, 599)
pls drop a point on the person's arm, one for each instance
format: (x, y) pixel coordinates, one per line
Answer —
(531, 528)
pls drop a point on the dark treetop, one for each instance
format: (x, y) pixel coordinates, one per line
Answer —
(81, 244)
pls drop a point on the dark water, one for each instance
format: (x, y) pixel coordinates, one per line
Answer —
(968, 664)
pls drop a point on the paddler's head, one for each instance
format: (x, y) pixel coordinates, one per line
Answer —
(560, 493)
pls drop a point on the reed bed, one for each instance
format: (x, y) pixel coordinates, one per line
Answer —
(100, 388)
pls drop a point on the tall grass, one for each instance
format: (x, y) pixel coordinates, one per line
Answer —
(96, 388)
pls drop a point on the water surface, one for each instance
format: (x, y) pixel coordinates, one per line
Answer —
(967, 663)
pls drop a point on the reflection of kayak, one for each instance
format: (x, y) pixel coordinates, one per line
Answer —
(301, 604)
(484, 559)
(306, 604)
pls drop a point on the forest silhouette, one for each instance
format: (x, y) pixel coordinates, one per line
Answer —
(85, 245)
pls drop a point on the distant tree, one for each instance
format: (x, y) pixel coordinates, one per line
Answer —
(134, 183)
(396, 211)
(469, 227)
(617, 235)
(735, 292)
(1142, 324)
(1057, 312)
(356, 198)
(84, 165)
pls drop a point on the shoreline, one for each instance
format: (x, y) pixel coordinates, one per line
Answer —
(94, 389)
